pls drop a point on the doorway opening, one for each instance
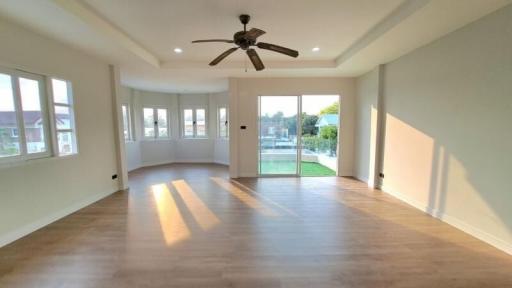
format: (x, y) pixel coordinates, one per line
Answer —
(298, 135)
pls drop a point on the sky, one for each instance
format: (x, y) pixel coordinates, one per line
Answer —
(30, 98)
(311, 104)
(29, 91)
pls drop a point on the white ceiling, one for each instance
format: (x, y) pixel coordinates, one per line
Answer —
(353, 35)
(298, 24)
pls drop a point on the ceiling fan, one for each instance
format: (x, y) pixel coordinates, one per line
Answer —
(245, 40)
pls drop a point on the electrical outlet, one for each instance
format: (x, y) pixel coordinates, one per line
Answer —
(114, 176)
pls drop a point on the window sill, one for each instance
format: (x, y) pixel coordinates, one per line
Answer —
(156, 139)
(27, 162)
(195, 138)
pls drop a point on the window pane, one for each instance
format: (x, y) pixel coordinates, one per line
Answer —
(149, 123)
(60, 91)
(9, 141)
(223, 128)
(162, 123)
(66, 143)
(125, 122)
(63, 117)
(188, 129)
(32, 115)
(201, 122)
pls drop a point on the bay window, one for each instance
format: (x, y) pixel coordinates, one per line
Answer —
(156, 123)
(194, 122)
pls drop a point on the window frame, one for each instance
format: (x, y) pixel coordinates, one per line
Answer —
(226, 122)
(155, 123)
(53, 118)
(48, 117)
(130, 121)
(23, 155)
(194, 109)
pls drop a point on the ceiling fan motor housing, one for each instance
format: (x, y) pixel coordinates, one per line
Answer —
(243, 41)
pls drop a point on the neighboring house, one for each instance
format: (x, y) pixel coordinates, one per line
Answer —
(34, 132)
(327, 120)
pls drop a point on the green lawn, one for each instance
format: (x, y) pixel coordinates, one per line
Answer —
(288, 167)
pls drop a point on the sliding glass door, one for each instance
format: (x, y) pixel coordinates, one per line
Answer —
(319, 135)
(278, 126)
(298, 135)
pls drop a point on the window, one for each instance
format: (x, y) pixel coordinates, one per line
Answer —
(23, 116)
(127, 123)
(26, 131)
(223, 127)
(156, 124)
(194, 123)
(64, 117)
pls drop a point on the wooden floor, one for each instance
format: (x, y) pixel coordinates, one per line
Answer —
(189, 226)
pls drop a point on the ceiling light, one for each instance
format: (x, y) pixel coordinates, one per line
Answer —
(315, 49)
(178, 50)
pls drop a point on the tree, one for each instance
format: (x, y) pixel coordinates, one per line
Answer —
(330, 133)
(291, 124)
(331, 109)
(308, 124)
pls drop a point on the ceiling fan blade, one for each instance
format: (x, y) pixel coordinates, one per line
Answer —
(222, 56)
(278, 49)
(255, 59)
(254, 33)
(213, 40)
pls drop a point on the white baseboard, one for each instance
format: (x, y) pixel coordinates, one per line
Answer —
(221, 162)
(154, 163)
(247, 174)
(38, 224)
(157, 163)
(135, 168)
(453, 221)
(362, 179)
(200, 160)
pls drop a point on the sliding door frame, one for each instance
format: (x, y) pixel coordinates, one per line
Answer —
(299, 144)
(299, 136)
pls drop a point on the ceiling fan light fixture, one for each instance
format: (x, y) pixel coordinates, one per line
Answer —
(245, 40)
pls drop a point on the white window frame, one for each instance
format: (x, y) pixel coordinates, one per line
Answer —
(226, 123)
(194, 109)
(129, 118)
(71, 107)
(155, 123)
(15, 135)
(24, 155)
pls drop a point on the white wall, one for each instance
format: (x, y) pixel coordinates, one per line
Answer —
(146, 152)
(447, 136)
(133, 155)
(244, 94)
(37, 192)
(366, 126)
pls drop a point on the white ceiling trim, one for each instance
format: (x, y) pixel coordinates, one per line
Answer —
(403, 11)
(241, 64)
(101, 25)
